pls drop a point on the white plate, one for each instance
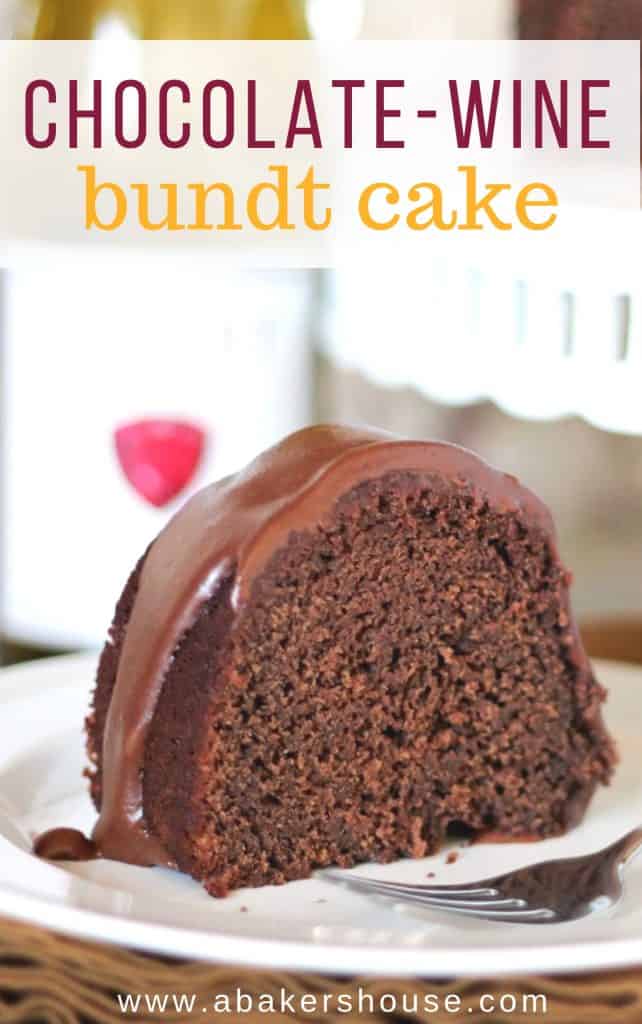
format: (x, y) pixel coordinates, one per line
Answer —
(308, 925)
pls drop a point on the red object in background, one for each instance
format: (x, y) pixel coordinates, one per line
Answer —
(159, 457)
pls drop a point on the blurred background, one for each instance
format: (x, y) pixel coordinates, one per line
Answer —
(128, 384)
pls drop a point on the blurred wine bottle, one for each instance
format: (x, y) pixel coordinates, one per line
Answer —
(181, 19)
(144, 19)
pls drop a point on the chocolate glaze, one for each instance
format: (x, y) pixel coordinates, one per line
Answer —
(65, 844)
(233, 527)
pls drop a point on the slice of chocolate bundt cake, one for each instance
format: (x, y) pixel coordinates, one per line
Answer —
(333, 657)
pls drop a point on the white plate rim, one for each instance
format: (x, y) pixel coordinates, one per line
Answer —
(265, 953)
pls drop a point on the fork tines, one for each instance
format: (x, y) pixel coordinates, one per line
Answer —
(472, 901)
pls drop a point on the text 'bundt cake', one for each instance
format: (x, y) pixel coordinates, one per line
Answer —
(334, 656)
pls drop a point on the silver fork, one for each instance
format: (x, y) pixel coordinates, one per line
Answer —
(546, 893)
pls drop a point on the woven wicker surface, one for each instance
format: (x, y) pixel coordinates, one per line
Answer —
(46, 977)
